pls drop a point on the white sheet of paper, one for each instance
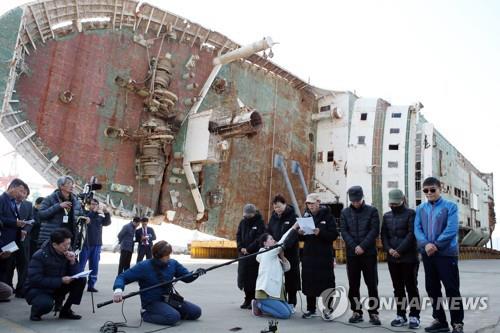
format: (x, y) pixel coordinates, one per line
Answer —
(11, 247)
(306, 224)
(82, 274)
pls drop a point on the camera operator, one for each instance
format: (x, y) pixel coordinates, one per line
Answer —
(61, 209)
(157, 308)
(91, 249)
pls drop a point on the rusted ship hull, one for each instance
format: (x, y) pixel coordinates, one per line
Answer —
(76, 100)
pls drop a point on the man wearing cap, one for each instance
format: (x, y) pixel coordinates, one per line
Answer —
(360, 228)
(436, 231)
(251, 227)
(318, 255)
(399, 242)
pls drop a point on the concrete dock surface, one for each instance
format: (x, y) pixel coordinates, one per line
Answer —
(217, 294)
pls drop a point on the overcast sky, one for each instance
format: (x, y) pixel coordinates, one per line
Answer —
(444, 54)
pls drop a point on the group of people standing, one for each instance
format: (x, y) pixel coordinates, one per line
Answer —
(428, 234)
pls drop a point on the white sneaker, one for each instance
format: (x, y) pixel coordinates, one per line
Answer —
(414, 323)
(292, 308)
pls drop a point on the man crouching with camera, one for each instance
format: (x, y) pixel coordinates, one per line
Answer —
(162, 305)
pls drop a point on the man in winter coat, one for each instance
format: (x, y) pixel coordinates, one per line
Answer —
(35, 228)
(144, 236)
(49, 278)
(318, 255)
(436, 230)
(126, 240)
(251, 227)
(282, 219)
(91, 249)
(61, 209)
(360, 227)
(399, 242)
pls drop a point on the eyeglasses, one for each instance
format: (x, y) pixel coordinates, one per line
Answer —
(427, 190)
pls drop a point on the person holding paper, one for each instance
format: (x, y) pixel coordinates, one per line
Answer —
(360, 228)
(318, 255)
(12, 223)
(270, 288)
(144, 236)
(50, 278)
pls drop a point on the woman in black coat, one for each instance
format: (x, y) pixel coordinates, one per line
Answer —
(318, 255)
(247, 239)
(282, 219)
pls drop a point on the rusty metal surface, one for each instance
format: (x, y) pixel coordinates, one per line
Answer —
(86, 65)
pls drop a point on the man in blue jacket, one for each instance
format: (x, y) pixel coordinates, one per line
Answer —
(436, 230)
(156, 308)
(91, 249)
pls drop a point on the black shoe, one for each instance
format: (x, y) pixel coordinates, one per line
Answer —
(309, 314)
(356, 318)
(458, 328)
(68, 314)
(19, 295)
(374, 320)
(92, 290)
(4, 300)
(246, 305)
(437, 326)
(35, 317)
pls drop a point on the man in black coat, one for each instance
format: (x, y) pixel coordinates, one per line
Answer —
(12, 224)
(251, 227)
(49, 278)
(318, 253)
(22, 256)
(91, 249)
(282, 219)
(35, 227)
(402, 258)
(126, 239)
(144, 236)
(360, 227)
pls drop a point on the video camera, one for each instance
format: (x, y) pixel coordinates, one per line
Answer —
(88, 191)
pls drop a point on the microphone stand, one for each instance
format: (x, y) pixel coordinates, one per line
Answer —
(100, 305)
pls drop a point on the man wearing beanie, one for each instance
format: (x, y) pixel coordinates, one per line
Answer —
(251, 227)
(402, 258)
(360, 228)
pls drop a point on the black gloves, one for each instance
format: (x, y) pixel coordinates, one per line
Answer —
(199, 272)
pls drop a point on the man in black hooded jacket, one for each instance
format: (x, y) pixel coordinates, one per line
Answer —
(282, 219)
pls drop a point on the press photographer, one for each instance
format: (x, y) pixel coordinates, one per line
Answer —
(61, 209)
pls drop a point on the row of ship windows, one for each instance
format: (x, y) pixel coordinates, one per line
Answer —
(330, 158)
(364, 116)
(362, 141)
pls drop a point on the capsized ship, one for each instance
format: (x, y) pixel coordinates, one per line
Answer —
(177, 120)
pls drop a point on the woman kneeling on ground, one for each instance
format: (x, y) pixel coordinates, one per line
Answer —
(155, 308)
(270, 296)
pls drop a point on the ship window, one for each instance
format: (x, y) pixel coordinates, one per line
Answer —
(364, 116)
(329, 158)
(396, 115)
(320, 157)
(361, 140)
(324, 108)
(478, 224)
(392, 164)
(394, 130)
(392, 184)
(393, 147)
